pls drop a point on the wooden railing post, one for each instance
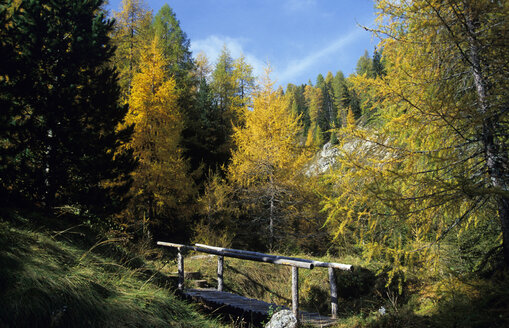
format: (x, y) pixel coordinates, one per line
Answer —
(220, 264)
(333, 293)
(295, 291)
(180, 259)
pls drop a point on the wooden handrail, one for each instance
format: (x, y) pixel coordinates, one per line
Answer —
(340, 266)
(294, 262)
(267, 258)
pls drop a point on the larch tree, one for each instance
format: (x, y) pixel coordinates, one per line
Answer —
(131, 35)
(267, 159)
(440, 161)
(161, 182)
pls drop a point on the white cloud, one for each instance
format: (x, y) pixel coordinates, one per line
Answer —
(298, 5)
(282, 74)
(213, 45)
(298, 66)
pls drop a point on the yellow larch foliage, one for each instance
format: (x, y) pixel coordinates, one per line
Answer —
(267, 147)
(429, 169)
(161, 181)
(268, 159)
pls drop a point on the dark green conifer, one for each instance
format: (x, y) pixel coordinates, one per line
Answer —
(64, 96)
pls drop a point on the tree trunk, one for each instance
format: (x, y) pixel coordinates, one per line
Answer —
(50, 172)
(271, 222)
(495, 156)
(271, 214)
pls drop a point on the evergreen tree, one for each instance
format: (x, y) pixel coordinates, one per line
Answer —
(174, 44)
(341, 97)
(314, 99)
(378, 64)
(297, 103)
(231, 83)
(365, 65)
(62, 101)
(223, 82)
(244, 80)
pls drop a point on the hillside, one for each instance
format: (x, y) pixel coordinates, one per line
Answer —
(59, 278)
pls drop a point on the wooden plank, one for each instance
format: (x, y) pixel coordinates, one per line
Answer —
(248, 305)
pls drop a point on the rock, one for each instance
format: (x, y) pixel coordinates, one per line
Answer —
(324, 160)
(282, 319)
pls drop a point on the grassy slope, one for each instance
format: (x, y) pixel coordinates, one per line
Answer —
(47, 280)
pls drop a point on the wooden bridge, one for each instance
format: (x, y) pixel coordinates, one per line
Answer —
(241, 305)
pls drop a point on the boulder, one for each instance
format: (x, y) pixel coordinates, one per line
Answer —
(282, 319)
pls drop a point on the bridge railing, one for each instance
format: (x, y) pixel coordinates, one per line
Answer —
(294, 262)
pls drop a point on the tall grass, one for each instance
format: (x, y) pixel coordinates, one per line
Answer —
(45, 282)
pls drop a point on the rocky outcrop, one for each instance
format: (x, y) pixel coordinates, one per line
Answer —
(324, 160)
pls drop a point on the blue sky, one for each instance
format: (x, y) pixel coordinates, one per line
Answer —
(299, 38)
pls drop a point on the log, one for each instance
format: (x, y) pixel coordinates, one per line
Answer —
(295, 292)
(266, 259)
(233, 250)
(180, 259)
(339, 266)
(334, 265)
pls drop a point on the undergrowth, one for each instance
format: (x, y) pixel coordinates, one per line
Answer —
(54, 278)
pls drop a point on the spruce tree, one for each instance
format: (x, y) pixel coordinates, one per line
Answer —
(64, 97)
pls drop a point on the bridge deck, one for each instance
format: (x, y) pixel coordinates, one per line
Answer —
(241, 305)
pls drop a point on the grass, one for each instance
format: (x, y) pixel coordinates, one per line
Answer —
(49, 280)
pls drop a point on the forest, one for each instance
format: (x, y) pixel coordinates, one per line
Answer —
(112, 128)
